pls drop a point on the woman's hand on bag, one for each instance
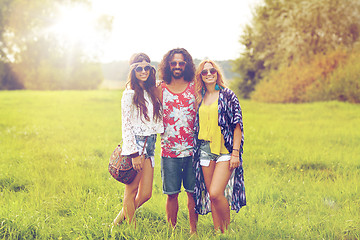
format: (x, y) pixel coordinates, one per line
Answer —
(138, 163)
(234, 162)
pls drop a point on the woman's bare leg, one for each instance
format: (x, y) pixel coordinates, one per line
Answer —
(208, 173)
(143, 192)
(146, 182)
(219, 203)
(128, 209)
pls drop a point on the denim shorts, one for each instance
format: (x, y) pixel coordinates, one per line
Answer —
(177, 170)
(149, 150)
(206, 156)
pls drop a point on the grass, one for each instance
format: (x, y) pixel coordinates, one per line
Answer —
(301, 163)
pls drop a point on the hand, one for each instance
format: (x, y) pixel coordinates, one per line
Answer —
(138, 163)
(234, 162)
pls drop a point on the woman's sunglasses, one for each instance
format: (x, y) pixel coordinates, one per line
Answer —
(205, 71)
(174, 63)
(140, 68)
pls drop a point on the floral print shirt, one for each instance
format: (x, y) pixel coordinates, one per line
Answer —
(229, 115)
(178, 117)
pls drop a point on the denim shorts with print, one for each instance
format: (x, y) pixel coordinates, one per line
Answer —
(149, 150)
(177, 170)
(206, 156)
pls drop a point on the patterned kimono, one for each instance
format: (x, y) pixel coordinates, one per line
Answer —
(229, 116)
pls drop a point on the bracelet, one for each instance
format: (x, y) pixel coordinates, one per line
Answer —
(134, 155)
(234, 149)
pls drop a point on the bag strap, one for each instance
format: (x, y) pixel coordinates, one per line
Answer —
(134, 155)
(144, 145)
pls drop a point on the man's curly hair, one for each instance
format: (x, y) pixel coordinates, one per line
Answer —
(164, 66)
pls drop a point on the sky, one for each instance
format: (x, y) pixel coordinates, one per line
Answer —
(207, 29)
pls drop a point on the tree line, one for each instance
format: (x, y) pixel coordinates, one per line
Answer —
(31, 58)
(118, 70)
(300, 51)
(295, 51)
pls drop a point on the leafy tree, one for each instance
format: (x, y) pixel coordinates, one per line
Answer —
(301, 82)
(344, 83)
(285, 31)
(46, 67)
(4, 7)
(8, 79)
(40, 60)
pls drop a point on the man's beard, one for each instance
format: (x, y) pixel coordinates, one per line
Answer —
(179, 75)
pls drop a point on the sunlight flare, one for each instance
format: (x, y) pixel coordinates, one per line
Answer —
(77, 26)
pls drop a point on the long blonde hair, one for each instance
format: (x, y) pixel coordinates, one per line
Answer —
(200, 87)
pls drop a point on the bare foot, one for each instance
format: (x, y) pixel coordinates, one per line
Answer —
(193, 234)
(119, 218)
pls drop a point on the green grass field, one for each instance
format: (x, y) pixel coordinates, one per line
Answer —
(301, 163)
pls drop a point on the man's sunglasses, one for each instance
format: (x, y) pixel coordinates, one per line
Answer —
(205, 71)
(140, 68)
(174, 63)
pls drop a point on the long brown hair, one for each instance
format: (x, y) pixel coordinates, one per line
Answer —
(164, 66)
(149, 87)
(200, 87)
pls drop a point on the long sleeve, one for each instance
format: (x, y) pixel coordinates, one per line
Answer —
(229, 116)
(128, 135)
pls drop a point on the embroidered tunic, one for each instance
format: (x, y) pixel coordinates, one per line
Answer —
(135, 124)
(179, 117)
(229, 116)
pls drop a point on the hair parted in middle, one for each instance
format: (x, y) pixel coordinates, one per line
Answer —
(200, 87)
(164, 66)
(149, 87)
